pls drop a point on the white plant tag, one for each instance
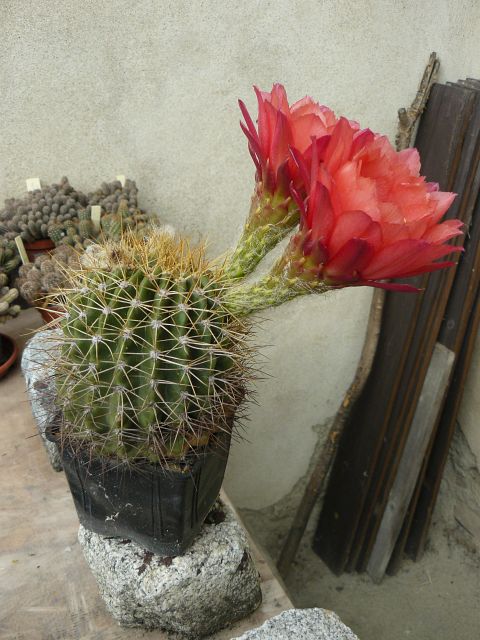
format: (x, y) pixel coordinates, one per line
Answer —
(33, 184)
(21, 250)
(121, 178)
(96, 214)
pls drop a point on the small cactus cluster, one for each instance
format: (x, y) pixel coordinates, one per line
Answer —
(61, 211)
(9, 260)
(47, 274)
(110, 195)
(153, 363)
(81, 233)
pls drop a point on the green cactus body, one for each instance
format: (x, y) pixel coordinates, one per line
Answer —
(85, 229)
(112, 226)
(56, 233)
(152, 361)
(84, 214)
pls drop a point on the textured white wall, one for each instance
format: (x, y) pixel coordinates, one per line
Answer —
(92, 88)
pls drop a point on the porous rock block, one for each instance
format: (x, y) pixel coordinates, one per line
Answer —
(36, 367)
(307, 624)
(214, 584)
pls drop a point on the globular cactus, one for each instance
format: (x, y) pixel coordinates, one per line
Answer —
(86, 229)
(56, 233)
(112, 226)
(153, 363)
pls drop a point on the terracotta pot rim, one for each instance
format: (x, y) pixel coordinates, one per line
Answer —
(43, 243)
(50, 312)
(13, 356)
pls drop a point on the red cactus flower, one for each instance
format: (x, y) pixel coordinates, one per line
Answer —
(281, 126)
(369, 215)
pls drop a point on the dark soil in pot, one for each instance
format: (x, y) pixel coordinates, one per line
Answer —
(162, 510)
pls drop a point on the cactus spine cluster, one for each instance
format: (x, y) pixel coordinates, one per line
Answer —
(153, 362)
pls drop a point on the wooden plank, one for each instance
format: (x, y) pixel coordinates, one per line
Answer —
(341, 509)
(428, 326)
(443, 124)
(426, 414)
(439, 455)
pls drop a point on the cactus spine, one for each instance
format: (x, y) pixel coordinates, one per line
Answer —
(153, 362)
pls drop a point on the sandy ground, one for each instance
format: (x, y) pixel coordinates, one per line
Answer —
(437, 598)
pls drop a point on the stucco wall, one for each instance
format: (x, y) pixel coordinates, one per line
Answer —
(148, 88)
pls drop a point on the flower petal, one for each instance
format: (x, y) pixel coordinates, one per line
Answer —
(354, 224)
(349, 262)
(403, 258)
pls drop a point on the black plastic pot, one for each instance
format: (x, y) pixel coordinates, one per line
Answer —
(161, 510)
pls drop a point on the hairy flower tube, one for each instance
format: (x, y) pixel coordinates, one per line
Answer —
(368, 216)
(273, 211)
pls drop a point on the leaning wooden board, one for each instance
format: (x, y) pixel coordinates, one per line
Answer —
(341, 529)
(414, 532)
(434, 306)
(428, 409)
(439, 455)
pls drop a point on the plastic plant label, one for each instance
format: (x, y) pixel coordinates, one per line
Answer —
(96, 213)
(33, 184)
(121, 178)
(21, 250)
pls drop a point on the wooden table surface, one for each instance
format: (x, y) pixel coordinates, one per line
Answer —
(46, 589)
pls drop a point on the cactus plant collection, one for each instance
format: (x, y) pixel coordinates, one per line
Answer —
(61, 212)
